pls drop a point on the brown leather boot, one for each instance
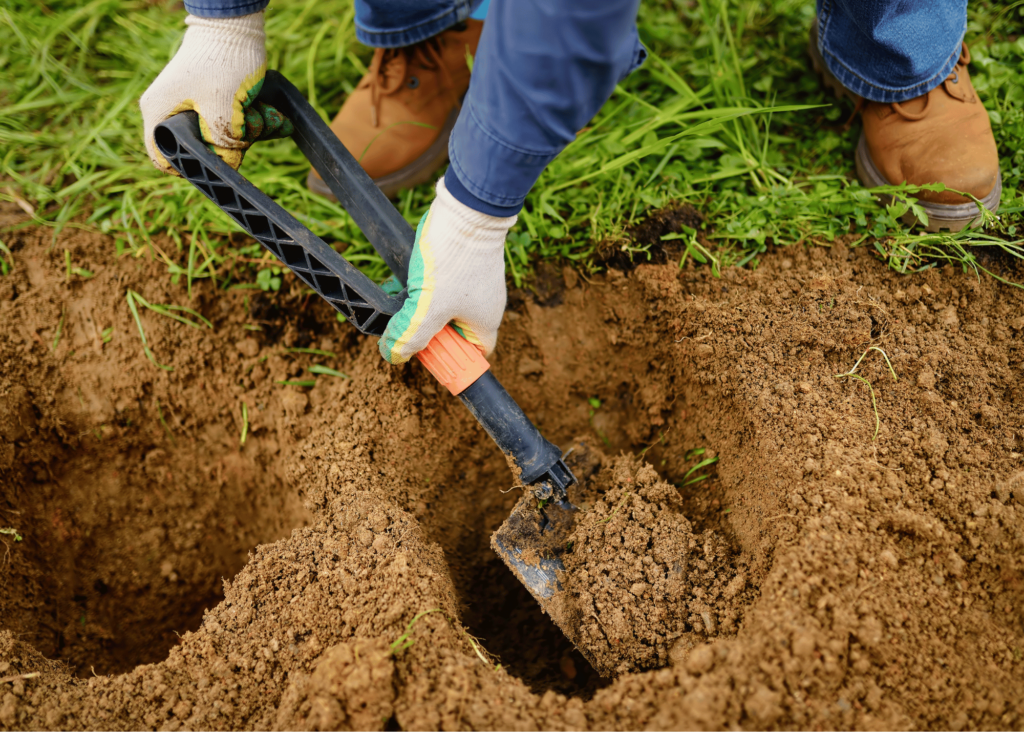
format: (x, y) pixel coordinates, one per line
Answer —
(397, 121)
(943, 136)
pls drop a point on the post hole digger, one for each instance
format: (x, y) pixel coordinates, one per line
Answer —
(533, 538)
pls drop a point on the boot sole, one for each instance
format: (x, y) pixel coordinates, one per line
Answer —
(941, 216)
(420, 170)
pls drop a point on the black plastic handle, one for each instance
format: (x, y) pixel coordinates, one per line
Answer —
(539, 461)
(373, 213)
(347, 289)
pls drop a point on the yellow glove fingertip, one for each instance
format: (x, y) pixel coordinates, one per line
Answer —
(231, 156)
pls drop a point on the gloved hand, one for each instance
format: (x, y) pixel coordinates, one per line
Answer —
(456, 275)
(218, 72)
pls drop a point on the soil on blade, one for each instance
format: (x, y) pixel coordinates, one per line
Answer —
(639, 582)
(818, 577)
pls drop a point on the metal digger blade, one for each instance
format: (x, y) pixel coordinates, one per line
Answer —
(531, 542)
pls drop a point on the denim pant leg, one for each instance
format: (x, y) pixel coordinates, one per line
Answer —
(891, 50)
(397, 23)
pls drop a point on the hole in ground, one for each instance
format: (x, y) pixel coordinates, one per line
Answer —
(496, 607)
(127, 538)
(469, 506)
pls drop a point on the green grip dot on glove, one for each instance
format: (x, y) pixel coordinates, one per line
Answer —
(263, 122)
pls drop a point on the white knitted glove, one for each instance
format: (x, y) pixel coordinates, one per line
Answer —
(218, 72)
(456, 275)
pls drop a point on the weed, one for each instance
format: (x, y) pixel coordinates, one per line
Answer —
(255, 363)
(69, 269)
(687, 480)
(297, 382)
(245, 424)
(60, 327)
(625, 495)
(695, 250)
(6, 259)
(473, 642)
(659, 441)
(168, 311)
(163, 423)
(312, 351)
(267, 279)
(476, 647)
(871, 389)
(704, 463)
(404, 641)
(108, 334)
(326, 371)
(13, 533)
(132, 298)
(918, 252)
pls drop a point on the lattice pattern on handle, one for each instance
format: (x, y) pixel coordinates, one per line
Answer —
(349, 291)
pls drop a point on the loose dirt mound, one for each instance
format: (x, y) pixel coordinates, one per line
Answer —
(819, 577)
(639, 581)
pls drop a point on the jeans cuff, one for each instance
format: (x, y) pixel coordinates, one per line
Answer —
(639, 56)
(493, 171)
(874, 91)
(225, 9)
(462, 194)
(415, 34)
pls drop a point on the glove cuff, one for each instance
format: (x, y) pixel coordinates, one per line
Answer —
(477, 231)
(243, 30)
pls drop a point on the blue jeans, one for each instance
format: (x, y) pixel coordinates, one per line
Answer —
(397, 23)
(891, 50)
(542, 71)
(883, 50)
(545, 67)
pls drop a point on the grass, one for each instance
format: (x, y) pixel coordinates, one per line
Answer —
(60, 328)
(245, 425)
(852, 374)
(625, 496)
(405, 641)
(13, 533)
(163, 423)
(725, 115)
(701, 464)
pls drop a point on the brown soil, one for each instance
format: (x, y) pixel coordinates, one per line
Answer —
(639, 581)
(818, 578)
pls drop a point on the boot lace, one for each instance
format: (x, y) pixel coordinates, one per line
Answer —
(395, 61)
(954, 76)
